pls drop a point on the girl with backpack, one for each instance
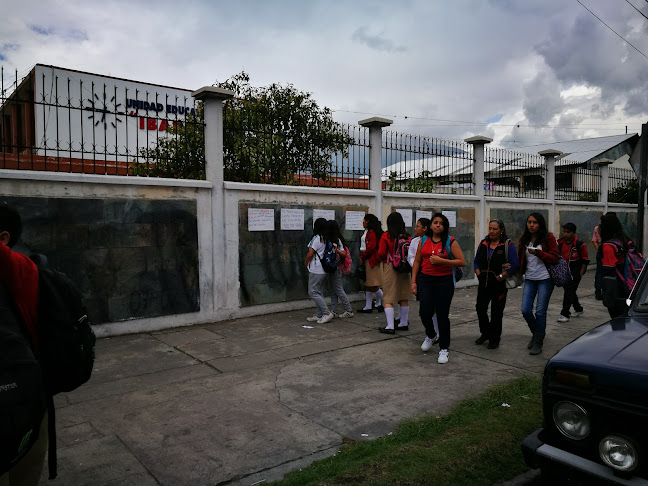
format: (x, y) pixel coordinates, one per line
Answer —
(536, 251)
(493, 263)
(395, 284)
(332, 234)
(369, 258)
(317, 276)
(612, 253)
(432, 279)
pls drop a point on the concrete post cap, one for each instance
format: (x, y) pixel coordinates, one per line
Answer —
(213, 92)
(375, 122)
(478, 139)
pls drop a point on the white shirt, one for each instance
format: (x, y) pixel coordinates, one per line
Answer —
(535, 269)
(315, 265)
(411, 254)
(363, 241)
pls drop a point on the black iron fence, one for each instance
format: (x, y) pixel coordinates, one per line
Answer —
(514, 174)
(623, 186)
(76, 123)
(575, 183)
(412, 163)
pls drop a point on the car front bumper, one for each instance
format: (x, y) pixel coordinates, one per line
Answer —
(537, 454)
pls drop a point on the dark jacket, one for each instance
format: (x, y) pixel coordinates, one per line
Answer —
(490, 268)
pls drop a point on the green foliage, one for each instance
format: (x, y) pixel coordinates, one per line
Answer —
(588, 196)
(273, 133)
(180, 155)
(626, 193)
(424, 183)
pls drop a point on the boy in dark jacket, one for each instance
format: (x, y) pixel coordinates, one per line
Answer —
(574, 252)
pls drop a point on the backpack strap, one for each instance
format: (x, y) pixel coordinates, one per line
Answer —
(506, 249)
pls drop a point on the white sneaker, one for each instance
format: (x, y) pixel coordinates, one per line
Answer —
(562, 318)
(577, 314)
(346, 314)
(335, 314)
(427, 344)
(435, 339)
(443, 356)
(313, 318)
(325, 318)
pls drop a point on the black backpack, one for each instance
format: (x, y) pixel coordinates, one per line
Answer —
(22, 391)
(66, 342)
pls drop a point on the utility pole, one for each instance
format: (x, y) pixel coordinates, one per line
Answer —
(641, 201)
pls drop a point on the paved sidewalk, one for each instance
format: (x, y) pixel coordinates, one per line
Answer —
(248, 400)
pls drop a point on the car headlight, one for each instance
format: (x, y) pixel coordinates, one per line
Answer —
(618, 453)
(571, 420)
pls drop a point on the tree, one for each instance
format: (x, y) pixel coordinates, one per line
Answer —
(625, 193)
(272, 134)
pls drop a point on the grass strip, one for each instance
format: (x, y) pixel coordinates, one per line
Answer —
(477, 443)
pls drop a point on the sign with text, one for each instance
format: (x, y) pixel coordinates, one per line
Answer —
(261, 219)
(407, 216)
(327, 214)
(452, 218)
(354, 219)
(292, 219)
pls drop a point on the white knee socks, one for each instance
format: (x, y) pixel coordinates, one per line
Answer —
(389, 314)
(379, 296)
(404, 311)
(368, 300)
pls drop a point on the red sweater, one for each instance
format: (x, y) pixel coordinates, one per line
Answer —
(371, 253)
(20, 277)
(548, 254)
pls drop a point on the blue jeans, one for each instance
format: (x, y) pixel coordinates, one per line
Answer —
(542, 288)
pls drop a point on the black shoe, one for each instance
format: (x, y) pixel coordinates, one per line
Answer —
(493, 344)
(481, 339)
(380, 308)
(598, 296)
(365, 311)
(396, 322)
(402, 328)
(384, 330)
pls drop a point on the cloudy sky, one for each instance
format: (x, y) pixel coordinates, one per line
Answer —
(520, 71)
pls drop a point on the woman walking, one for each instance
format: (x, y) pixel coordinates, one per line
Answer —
(317, 277)
(395, 284)
(369, 258)
(332, 233)
(537, 250)
(420, 230)
(493, 263)
(612, 252)
(432, 279)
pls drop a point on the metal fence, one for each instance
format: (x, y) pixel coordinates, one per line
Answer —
(575, 183)
(623, 186)
(70, 124)
(514, 174)
(412, 163)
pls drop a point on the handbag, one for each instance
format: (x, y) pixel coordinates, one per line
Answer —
(361, 271)
(560, 273)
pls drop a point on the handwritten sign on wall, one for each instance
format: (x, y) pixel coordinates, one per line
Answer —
(327, 214)
(353, 220)
(292, 219)
(407, 216)
(261, 219)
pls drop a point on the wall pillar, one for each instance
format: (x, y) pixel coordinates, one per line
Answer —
(375, 125)
(604, 169)
(550, 162)
(478, 142)
(215, 260)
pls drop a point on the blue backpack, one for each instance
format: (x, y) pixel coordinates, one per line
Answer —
(330, 259)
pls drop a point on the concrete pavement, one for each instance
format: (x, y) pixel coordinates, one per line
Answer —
(248, 400)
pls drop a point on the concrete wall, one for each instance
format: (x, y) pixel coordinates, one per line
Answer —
(144, 254)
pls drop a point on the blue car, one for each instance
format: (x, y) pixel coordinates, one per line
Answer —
(595, 403)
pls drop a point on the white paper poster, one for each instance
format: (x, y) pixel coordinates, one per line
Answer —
(452, 218)
(292, 219)
(261, 219)
(407, 216)
(423, 214)
(353, 220)
(327, 214)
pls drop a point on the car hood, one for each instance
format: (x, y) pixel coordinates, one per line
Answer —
(614, 354)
